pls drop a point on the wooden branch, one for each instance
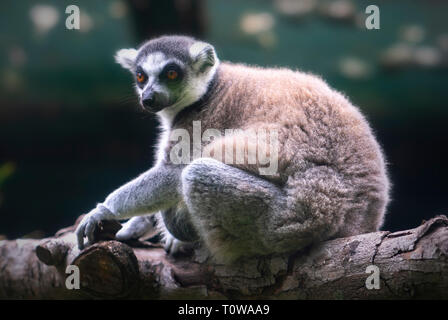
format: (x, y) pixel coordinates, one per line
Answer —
(412, 264)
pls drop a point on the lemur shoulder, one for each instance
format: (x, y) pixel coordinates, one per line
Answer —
(330, 178)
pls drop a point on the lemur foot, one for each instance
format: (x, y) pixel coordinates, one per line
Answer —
(141, 227)
(175, 247)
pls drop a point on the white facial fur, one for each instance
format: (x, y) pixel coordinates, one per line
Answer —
(152, 65)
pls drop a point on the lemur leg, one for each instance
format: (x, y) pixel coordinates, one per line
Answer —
(140, 227)
(236, 213)
(174, 224)
(178, 232)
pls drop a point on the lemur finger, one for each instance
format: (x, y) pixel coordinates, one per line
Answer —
(90, 228)
(176, 246)
(168, 244)
(80, 235)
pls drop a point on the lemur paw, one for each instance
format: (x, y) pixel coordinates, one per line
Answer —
(175, 247)
(170, 243)
(87, 225)
(138, 227)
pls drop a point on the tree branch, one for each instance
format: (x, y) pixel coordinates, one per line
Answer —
(412, 264)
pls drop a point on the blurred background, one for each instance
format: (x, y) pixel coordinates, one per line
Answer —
(71, 131)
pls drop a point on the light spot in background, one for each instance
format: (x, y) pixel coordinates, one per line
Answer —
(296, 8)
(117, 9)
(86, 22)
(360, 20)
(17, 56)
(442, 42)
(44, 17)
(355, 68)
(404, 55)
(7, 169)
(11, 80)
(255, 23)
(398, 55)
(427, 56)
(338, 10)
(413, 33)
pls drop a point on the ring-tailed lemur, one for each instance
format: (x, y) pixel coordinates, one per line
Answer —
(330, 181)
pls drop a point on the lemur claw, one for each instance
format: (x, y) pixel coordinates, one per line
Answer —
(87, 225)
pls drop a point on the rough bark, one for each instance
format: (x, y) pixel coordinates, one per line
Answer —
(412, 263)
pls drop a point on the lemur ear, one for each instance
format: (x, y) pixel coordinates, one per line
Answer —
(126, 58)
(203, 56)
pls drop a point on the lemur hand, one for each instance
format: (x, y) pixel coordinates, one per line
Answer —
(87, 225)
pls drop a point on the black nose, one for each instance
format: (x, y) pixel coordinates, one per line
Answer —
(148, 102)
(148, 99)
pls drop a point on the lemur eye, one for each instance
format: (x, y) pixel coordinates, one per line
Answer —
(172, 74)
(141, 77)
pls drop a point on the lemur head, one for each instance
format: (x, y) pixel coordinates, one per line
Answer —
(171, 72)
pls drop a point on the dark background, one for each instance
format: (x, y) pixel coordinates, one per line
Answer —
(71, 131)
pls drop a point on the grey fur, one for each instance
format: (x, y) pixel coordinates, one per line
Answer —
(172, 47)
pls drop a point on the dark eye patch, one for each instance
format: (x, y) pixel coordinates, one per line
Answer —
(171, 73)
(140, 77)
